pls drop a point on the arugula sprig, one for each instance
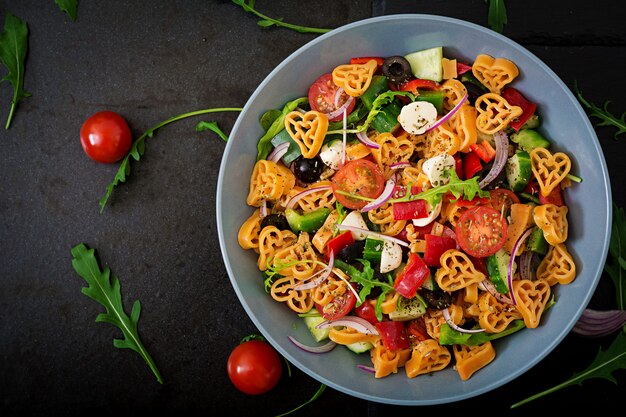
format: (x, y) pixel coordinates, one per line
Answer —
(137, 149)
(496, 17)
(68, 6)
(366, 279)
(13, 49)
(264, 146)
(606, 117)
(267, 21)
(107, 291)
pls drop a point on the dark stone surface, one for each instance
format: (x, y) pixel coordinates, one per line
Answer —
(150, 60)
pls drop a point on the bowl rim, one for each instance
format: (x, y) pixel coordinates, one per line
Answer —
(564, 330)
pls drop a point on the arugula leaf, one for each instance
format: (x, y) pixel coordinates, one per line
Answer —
(367, 281)
(603, 366)
(315, 396)
(606, 117)
(212, 126)
(68, 6)
(13, 49)
(467, 188)
(496, 18)
(267, 21)
(137, 149)
(615, 265)
(264, 147)
(107, 292)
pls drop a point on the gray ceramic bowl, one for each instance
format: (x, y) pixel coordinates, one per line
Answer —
(563, 120)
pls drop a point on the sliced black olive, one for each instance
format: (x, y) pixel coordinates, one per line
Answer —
(308, 170)
(352, 252)
(397, 69)
(437, 299)
(275, 219)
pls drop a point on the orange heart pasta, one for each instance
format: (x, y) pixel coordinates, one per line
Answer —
(411, 218)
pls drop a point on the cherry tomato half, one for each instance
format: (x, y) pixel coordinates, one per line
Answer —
(501, 200)
(322, 97)
(105, 137)
(481, 231)
(254, 367)
(359, 177)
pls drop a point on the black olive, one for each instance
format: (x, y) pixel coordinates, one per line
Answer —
(308, 170)
(473, 91)
(275, 219)
(397, 69)
(352, 252)
(437, 299)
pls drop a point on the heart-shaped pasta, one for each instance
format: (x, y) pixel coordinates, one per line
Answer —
(531, 299)
(248, 236)
(457, 271)
(354, 78)
(427, 356)
(391, 150)
(495, 316)
(470, 359)
(307, 130)
(494, 113)
(463, 125)
(557, 266)
(442, 139)
(552, 220)
(272, 239)
(453, 92)
(549, 169)
(387, 361)
(494, 73)
(298, 259)
(269, 181)
(282, 290)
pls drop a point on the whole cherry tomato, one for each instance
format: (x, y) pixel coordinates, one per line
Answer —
(254, 367)
(105, 137)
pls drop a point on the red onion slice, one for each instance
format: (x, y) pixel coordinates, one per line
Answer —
(278, 152)
(366, 368)
(448, 115)
(383, 197)
(319, 277)
(313, 349)
(446, 315)
(594, 323)
(293, 200)
(526, 265)
(362, 137)
(399, 165)
(509, 271)
(339, 110)
(373, 234)
(344, 137)
(338, 94)
(263, 209)
(502, 154)
(487, 285)
(357, 323)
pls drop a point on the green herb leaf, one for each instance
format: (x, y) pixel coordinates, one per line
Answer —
(68, 6)
(605, 363)
(313, 398)
(496, 18)
(138, 147)
(606, 117)
(212, 126)
(107, 291)
(268, 118)
(267, 21)
(264, 147)
(13, 48)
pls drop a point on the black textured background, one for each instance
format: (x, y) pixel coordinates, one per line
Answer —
(150, 60)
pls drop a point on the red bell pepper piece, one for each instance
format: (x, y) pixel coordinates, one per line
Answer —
(484, 151)
(416, 330)
(458, 165)
(393, 334)
(365, 59)
(476, 201)
(515, 98)
(435, 247)
(532, 187)
(407, 210)
(411, 277)
(555, 197)
(338, 243)
(471, 165)
(462, 68)
(413, 85)
(479, 263)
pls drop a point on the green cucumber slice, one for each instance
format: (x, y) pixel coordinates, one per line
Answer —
(426, 64)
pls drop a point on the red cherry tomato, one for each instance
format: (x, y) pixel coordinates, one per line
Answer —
(481, 231)
(501, 200)
(322, 97)
(360, 177)
(105, 137)
(254, 367)
(367, 311)
(339, 306)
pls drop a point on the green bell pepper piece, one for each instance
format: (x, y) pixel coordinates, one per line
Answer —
(309, 222)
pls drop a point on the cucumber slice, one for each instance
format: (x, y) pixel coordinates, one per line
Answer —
(318, 334)
(426, 64)
(518, 171)
(360, 347)
(497, 266)
(409, 309)
(536, 242)
(529, 139)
